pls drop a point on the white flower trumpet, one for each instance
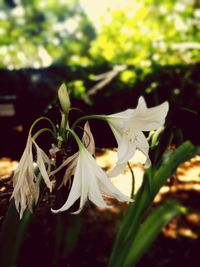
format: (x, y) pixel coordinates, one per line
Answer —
(90, 181)
(128, 127)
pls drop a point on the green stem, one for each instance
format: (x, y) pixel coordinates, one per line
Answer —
(47, 119)
(89, 117)
(133, 180)
(41, 131)
(78, 141)
(63, 124)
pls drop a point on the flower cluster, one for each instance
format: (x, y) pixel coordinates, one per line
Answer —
(88, 181)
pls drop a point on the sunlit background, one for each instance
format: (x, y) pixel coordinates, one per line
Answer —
(108, 53)
(40, 33)
(106, 46)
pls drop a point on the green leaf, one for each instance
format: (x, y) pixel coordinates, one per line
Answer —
(153, 180)
(168, 168)
(72, 234)
(12, 234)
(150, 230)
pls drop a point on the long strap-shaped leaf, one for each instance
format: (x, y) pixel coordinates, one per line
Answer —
(150, 230)
(12, 235)
(152, 182)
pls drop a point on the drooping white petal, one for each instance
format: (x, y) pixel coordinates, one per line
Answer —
(21, 170)
(71, 162)
(84, 181)
(21, 203)
(41, 160)
(90, 182)
(126, 149)
(65, 163)
(75, 191)
(95, 195)
(119, 168)
(118, 132)
(70, 170)
(143, 146)
(26, 186)
(103, 181)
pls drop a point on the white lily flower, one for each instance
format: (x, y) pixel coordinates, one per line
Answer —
(90, 182)
(128, 127)
(71, 162)
(25, 182)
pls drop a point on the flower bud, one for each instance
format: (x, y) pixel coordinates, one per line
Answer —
(63, 97)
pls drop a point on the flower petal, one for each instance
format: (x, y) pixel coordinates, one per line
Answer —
(143, 146)
(75, 191)
(65, 163)
(70, 170)
(148, 119)
(88, 139)
(126, 150)
(41, 160)
(119, 168)
(90, 181)
(117, 122)
(106, 187)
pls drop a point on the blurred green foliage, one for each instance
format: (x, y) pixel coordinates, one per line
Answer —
(145, 32)
(143, 47)
(38, 33)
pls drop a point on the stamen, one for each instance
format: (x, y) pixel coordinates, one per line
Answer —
(127, 131)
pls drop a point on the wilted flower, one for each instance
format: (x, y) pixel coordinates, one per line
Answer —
(128, 127)
(25, 181)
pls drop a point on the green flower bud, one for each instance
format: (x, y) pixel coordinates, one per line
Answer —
(63, 97)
